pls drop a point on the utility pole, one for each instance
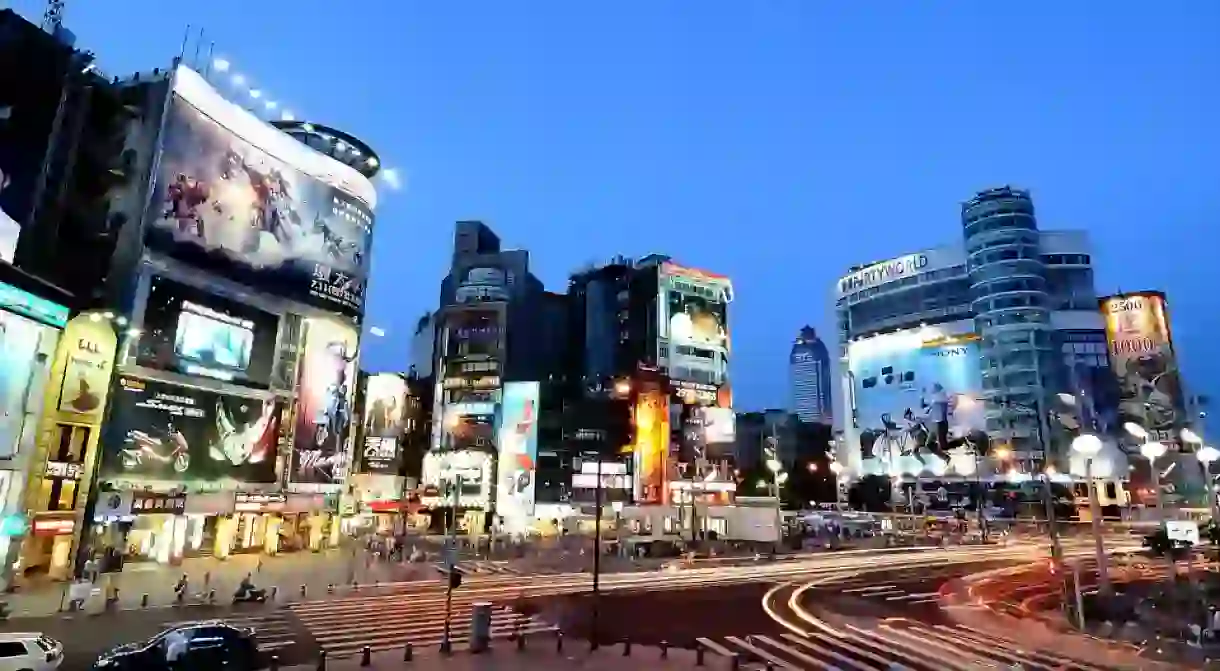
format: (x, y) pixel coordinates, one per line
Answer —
(452, 577)
(597, 552)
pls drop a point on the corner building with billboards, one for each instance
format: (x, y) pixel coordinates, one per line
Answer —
(1002, 326)
(489, 352)
(649, 412)
(239, 273)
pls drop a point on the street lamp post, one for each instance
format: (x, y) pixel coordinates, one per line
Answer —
(1089, 447)
(1152, 451)
(778, 476)
(836, 470)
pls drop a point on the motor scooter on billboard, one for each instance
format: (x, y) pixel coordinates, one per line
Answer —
(170, 447)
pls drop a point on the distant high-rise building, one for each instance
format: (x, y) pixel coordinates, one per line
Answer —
(809, 378)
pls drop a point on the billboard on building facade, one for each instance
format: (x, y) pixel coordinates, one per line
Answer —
(162, 432)
(518, 449)
(1144, 363)
(236, 195)
(327, 373)
(473, 333)
(385, 405)
(693, 312)
(473, 469)
(195, 332)
(651, 449)
(917, 402)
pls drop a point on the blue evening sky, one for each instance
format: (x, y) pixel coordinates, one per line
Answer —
(776, 141)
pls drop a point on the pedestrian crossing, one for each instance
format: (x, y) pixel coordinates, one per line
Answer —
(892, 645)
(476, 566)
(345, 626)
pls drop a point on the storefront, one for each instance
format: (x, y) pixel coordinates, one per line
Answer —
(30, 329)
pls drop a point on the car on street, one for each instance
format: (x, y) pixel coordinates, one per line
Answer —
(208, 645)
(29, 652)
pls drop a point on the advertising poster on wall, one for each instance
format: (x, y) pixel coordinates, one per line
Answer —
(161, 432)
(327, 371)
(1144, 364)
(26, 348)
(472, 432)
(88, 351)
(651, 450)
(236, 195)
(917, 397)
(518, 449)
(194, 332)
(385, 403)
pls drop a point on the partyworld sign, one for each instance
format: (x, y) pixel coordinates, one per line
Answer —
(884, 272)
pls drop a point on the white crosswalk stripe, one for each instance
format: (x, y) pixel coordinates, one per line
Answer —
(344, 626)
(906, 646)
(477, 566)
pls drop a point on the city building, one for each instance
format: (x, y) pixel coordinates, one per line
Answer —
(649, 380)
(233, 352)
(810, 379)
(1003, 323)
(489, 354)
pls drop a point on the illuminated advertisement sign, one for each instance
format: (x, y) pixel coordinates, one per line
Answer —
(1143, 361)
(471, 432)
(194, 332)
(651, 449)
(161, 432)
(385, 403)
(473, 333)
(518, 449)
(693, 312)
(234, 194)
(719, 430)
(327, 372)
(26, 352)
(482, 285)
(881, 273)
(917, 401)
(441, 470)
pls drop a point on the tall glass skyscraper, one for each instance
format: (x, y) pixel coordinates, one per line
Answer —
(809, 378)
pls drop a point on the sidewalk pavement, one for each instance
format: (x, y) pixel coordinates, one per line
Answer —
(538, 656)
(288, 572)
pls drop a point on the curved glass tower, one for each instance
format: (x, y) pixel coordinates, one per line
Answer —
(1012, 308)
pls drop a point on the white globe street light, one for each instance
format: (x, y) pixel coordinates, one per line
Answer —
(1135, 430)
(1089, 446)
(1189, 436)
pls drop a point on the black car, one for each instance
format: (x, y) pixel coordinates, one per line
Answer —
(207, 645)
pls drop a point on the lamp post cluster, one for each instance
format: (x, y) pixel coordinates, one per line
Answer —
(778, 478)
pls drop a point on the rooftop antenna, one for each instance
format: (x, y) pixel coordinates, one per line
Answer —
(198, 46)
(186, 37)
(53, 17)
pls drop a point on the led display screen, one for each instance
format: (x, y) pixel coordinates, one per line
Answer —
(518, 449)
(197, 333)
(385, 404)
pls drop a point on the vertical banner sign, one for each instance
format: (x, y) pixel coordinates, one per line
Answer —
(324, 395)
(385, 401)
(518, 449)
(1144, 363)
(651, 449)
